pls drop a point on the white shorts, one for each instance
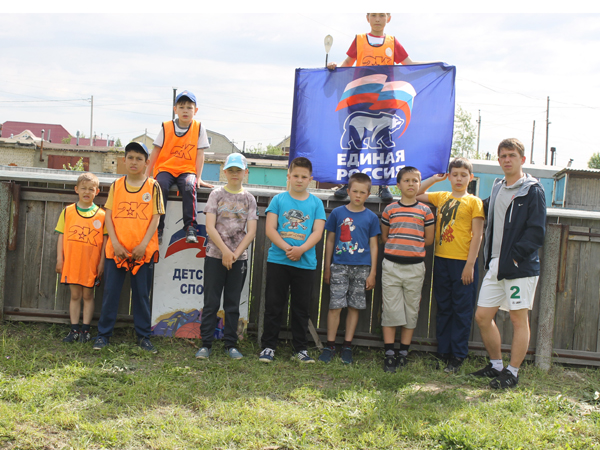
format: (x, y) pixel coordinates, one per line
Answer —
(508, 295)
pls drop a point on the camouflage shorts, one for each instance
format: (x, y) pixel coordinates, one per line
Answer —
(347, 286)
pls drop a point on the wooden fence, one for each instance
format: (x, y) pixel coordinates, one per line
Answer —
(29, 290)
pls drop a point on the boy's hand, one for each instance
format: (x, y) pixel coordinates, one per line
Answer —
(228, 259)
(331, 66)
(370, 284)
(467, 275)
(100, 269)
(138, 252)
(439, 177)
(59, 266)
(327, 275)
(294, 253)
(204, 184)
(120, 251)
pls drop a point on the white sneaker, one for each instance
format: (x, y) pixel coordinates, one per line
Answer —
(267, 355)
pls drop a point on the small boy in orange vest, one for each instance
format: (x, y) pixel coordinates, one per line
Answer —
(374, 49)
(178, 157)
(80, 253)
(133, 209)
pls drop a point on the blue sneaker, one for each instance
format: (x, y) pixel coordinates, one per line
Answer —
(303, 357)
(203, 353)
(234, 353)
(327, 354)
(346, 355)
(100, 342)
(267, 355)
(145, 344)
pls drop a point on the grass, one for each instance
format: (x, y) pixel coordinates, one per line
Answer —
(55, 396)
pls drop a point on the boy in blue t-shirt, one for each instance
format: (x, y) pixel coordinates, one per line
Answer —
(295, 223)
(352, 232)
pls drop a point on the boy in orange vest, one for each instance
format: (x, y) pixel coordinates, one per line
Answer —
(133, 208)
(178, 157)
(80, 254)
(374, 49)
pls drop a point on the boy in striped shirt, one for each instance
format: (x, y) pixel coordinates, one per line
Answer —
(407, 226)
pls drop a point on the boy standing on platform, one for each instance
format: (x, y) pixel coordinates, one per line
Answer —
(133, 208)
(80, 253)
(295, 223)
(178, 157)
(406, 228)
(459, 230)
(231, 221)
(352, 232)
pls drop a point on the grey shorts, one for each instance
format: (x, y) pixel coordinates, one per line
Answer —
(401, 292)
(347, 286)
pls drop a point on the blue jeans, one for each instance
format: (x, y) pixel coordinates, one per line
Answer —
(141, 283)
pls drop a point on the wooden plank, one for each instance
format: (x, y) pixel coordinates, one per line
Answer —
(422, 328)
(565, 301)
(364, 316)
(34, 237)
(377, 301)
(48, 276)
(13, 290)
(587, 306)
(260, 254)
(315, 301)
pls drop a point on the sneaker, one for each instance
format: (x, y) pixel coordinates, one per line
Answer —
(267, 355)
(160, 234)
(327, 354)
(145, 344)
(385, 194)
(487, 372)
(342, 192)
(505, 380)
(100, 343)
(190, 235)
(303, 357)
(401, 361)
(390, 364)
(73, 336)
(85, 337)
(454, 365)
(203, 353)
(234, 353)
(346, 355)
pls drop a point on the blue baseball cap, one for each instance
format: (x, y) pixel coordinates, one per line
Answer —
(187, 94)
(138, 146)
(236, 160)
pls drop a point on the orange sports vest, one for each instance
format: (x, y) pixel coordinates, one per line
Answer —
(131, 216)
(367, 55)
(82, 247)
(178, 154)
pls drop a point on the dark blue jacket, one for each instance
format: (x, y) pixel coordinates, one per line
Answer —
(524, 230)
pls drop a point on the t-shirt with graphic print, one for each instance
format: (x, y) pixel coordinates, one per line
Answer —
(233, 211)
(353, 230)
(295, 219)
(453, 229)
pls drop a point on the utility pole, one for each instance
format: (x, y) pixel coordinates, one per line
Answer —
(174, 97)
(547, 128)
(478, 131)
(92, 123)
(532, 137)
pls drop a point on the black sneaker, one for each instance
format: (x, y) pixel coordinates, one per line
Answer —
(145, 344)
(487, 372)
(73, 336)
(385, 194)
(84, 337)
(390, 364)
(346, 355)
(342, 192)
(160, 234)
(100, 343)
(401, 361)
(454, 365)
(505, 380)
(190, 235)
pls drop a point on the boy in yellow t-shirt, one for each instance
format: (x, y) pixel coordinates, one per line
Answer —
(459, 228)
(80, 253)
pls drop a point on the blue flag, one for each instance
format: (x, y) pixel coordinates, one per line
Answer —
(374, 119)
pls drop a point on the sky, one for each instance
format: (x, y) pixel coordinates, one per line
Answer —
(241, 68)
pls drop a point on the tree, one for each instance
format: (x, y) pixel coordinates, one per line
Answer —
(67, 140)
(594, 162)
(118, 143)
(78, 167)
(463, 140)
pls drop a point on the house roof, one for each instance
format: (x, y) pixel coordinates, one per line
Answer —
(585, 173)
(57, 132)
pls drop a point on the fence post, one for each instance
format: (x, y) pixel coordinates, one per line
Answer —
(549, 279)
(5, 221)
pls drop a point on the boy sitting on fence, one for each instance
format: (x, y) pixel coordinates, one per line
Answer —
(295, 223)
(406, 228)
(459, 229)
(352, 232)
(231, 221)
(133, 208)
(80, 253)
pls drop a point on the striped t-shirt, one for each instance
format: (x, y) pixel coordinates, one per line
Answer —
(406, 238)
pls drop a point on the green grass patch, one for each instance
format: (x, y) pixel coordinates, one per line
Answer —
(63, 396)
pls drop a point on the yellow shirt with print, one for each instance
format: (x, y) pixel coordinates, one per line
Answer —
(453, 225)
